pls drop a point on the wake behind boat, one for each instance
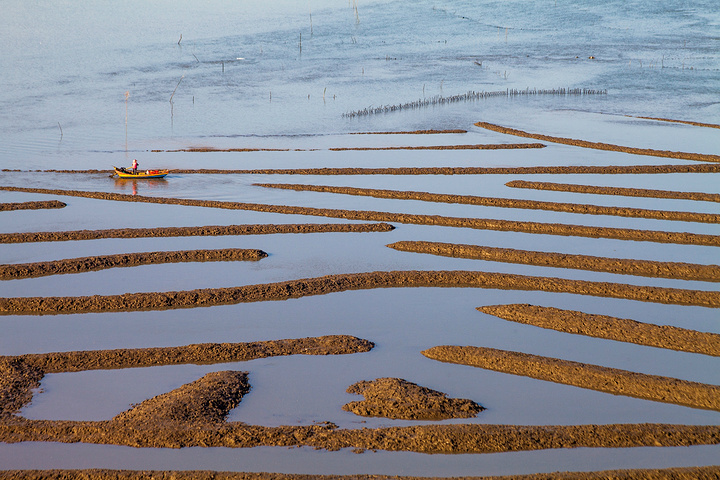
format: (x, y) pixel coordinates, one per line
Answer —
(123, 172)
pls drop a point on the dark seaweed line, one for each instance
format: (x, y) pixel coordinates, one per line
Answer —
(471, 95)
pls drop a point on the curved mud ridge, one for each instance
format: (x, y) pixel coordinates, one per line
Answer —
(701, 157)
(354, 281)
(6, 207)
(102, 262)
(620, 266)
(610, 328)
(619, 191)
(555, 169)
(685, 473)
(399, 399)
(503, 202)
(437, 220)
(211, 230)
(593, 377)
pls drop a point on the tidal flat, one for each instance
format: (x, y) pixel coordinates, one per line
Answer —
(181, 357)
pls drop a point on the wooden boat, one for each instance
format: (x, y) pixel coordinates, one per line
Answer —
(122, 172)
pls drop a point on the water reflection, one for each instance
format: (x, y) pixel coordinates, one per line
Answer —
(125, 185)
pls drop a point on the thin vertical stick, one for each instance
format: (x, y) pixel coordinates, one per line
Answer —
(127, 95)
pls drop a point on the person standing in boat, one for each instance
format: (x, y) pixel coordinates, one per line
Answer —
(134, 166)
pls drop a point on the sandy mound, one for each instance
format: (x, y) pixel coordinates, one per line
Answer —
(399, 399)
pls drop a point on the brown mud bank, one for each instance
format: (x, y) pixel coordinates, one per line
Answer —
(504, 202)
(442, 439)
(610, 328)
(686, 122)
(561, 169)
(620, 266)
(593, 377)
(212, 230)
(198, 354)
(701, 157)
(6, 207)
(345, 282)
(686, 473)
(618, 191)
(482, 146)
(399, 399)
(102, 262)
(414, 219)
(413, 132)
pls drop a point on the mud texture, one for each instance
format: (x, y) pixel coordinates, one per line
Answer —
(556, 169)
(620, 266)
(17, 379)
(446, 439)
(212, 230)
(198, 354)
(207, 400)
(686, 122)
(483, 146)
(5, 207)
(504, 202)
(620, 191)
(437, 220)
(700, 157)
(399, 399)
(611, 328)
(593, 377)
(413, 132)
(353, 281)
(687, 473)
(89, 264)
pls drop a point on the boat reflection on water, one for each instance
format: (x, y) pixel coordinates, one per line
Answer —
(124, 185)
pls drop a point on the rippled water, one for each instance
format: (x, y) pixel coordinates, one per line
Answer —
(284, 75)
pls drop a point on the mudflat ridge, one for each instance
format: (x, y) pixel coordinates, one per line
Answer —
(504, 202)
(5, 207)
(611, 328)
(619, 191)
(357, 281)
(620, 266)
(101, 262)
(599, 145)
(593, 377)
(559, 169)
(437, 220)
(686, 473)
(211, 230)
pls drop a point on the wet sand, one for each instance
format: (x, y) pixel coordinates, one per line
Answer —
(415, 219)
(689, 473)
(212, 230)
(5, 207)
(700, 157)
(620, 266)
(611, 328)
(504, 202)
(399, 399)
(686, 122)
(102, 262)
(344, 282)
(620, 191)
(593, 377)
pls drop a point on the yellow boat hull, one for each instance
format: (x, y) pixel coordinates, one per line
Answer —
(123, 173)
